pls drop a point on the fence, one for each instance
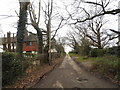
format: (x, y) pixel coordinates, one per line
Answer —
(9, 43)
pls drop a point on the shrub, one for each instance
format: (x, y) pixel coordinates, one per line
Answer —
(55, 55)
(11, 68)
(118, 51)
(97, 52)
(29, 55)
(101, 52)
(43, 58)
(108, 66)
(115, 50)
(93, 52)
(84, 50)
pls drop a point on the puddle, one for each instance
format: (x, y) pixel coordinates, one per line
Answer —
(82, 80)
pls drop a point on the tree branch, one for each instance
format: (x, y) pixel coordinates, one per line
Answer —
(59, 26)
(39, 12)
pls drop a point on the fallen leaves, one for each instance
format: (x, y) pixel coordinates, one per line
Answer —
(34, 74)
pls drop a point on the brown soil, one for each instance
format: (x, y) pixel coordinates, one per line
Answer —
(35, 75)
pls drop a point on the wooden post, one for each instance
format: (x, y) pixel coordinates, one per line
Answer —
(9, 41)
(4, 43)
(13, 43)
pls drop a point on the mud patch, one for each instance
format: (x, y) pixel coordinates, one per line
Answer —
(82, 80)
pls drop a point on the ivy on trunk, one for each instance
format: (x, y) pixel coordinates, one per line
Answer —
(21, 27)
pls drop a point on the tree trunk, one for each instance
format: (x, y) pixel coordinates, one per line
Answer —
(99, 39)
(40, 39)
(9, 41)
(49, 41)
(40, 45)
(21, 27)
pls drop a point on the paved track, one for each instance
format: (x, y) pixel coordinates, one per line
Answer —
(70, 75)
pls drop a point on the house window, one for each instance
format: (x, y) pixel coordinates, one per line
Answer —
(28, 43)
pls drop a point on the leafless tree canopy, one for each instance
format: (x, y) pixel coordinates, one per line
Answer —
(98, 8)
(87, 19)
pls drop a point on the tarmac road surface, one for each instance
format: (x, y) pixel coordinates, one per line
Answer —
(70, 75)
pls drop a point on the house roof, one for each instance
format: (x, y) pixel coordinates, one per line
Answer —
(29, 36)
(4, 40)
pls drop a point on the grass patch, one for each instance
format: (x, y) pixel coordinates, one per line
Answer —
(108, 66)
(77, 57)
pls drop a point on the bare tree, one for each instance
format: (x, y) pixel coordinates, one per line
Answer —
(35, 23)
(48, 13)
(80, 15)
(48, 26)
(73, 42)
(94, 31)
(47, 9)
(100, 7)
(78, 40)
(98, 37)
(117, 35)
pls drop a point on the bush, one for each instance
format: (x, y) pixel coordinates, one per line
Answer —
(55, 55)
(101, 52)
(43, 58)
(93, 53)
(84, 48)
(118, 51)
(115, 50)
(12, 67)
(108, 66)
(29, 55)
(97, 52)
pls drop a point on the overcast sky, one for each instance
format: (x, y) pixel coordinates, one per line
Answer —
(8, 7)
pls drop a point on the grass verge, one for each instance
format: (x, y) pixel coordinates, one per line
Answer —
(107, 66)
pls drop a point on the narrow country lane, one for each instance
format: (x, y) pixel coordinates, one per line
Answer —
(70, 75)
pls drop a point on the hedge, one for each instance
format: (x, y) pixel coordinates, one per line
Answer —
(97, 52)
(12, 68)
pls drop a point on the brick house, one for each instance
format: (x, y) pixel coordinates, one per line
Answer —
(29, 45)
